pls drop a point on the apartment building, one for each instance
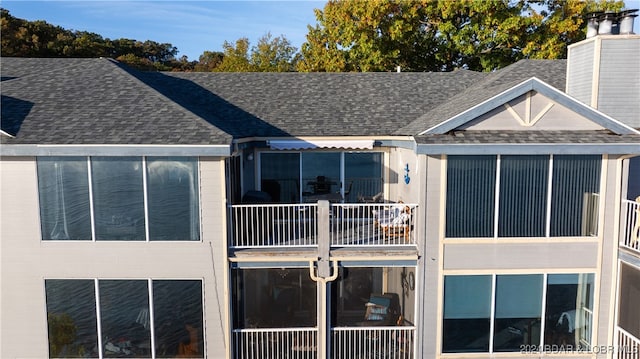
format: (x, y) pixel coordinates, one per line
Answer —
(352, 215)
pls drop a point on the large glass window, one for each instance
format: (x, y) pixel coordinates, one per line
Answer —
(127, 315)
(71, 315)
(290, 177)
(169, 210)
(569, 310)
(537, 196)
(503, 313)
(518, 310)
(466, 322)
(118, 198)
(173, 199)
(63, 186)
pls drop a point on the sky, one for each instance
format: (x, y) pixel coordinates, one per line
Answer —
(191, 26)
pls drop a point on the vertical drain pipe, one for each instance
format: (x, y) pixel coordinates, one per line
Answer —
(323, 276)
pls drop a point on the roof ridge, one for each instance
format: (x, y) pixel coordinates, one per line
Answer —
(130, 72)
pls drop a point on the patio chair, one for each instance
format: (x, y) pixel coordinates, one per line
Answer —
(394, 222)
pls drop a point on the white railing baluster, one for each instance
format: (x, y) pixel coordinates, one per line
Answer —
(628, 345)
(629, 239)
(373, 342)
(275, 343)
(296, 225)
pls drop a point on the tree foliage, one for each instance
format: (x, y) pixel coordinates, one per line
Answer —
(427, 35)
(269, 55)
(21, 38)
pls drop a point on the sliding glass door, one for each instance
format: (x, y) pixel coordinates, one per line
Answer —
(292, 177)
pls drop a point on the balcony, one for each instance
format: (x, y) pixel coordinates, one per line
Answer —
(630, 231)
(627, 345)
(346, 343)
(279, 226)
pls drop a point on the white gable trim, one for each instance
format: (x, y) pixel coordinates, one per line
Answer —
(532, 84)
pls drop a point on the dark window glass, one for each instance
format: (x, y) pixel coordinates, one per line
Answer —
(177, 306)
(471, 182)
(125, 320)
(280, 174)
(118, 198)
(518, 311)
(363, 175)
(523, 196)
(467, 313)
(63, 188)
(71, 317)
(569, 310)
(273, 298)
(172, 185)
(574, 198)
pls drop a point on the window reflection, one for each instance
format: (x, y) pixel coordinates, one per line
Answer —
(467, 313)
(118, 198)
(569, 310)
(63, 187)
(274, 298)
(71, 317)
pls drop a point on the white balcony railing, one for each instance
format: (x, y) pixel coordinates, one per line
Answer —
(298, 225)
(373, 343)
(273, 225)
(630, 226)
(373, 224)
(281, 343)
(628, 346)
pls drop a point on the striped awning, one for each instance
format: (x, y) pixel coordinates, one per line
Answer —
(311, 144)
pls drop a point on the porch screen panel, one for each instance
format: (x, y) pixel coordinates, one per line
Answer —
(280, 174)
(63, 189)
(471, 182)
(71, 318)
(467, 313)
(363, 175)
(574, 197)
(523, 196)
(172, 185)
(629, 310)
(118, 198)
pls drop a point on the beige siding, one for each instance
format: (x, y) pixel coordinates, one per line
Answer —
(580, 69)
(527, 255)
(27, 261)
(619, 82)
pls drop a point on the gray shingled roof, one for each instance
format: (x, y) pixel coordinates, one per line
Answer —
(98, 101)
(310, 104)
(552, 72)
(527, 137)
(92, 101)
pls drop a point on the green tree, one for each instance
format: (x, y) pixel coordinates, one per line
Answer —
(208, 61)
(273, 54)
(236, 58)
(428, 35)
(269, 55)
